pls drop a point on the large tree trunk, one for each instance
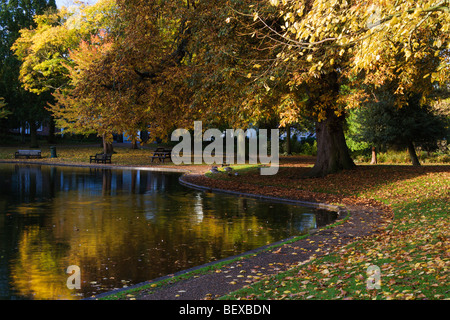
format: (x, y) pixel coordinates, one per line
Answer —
(332, 150)
(374, 156)
(413, 155)
(107, 146)
(134, 144)
(288, 140)
(51, 138)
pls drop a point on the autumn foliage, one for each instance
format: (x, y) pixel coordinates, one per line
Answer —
(159, 65)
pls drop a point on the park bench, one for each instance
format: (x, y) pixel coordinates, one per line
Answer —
(28, 154)
(100, 158)
(162, 154)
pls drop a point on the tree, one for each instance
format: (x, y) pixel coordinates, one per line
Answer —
(107, 93)
(313, 84)
(25, 107)
(380, 123)
(324, 44)
(45, 49)
(3, 113)
(133, 79)
(86, 106)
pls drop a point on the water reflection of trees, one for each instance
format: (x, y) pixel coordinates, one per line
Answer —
(123, 225)
(32, 182)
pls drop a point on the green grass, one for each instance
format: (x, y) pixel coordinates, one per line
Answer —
(413, 253)
(80, 154)
(402, 157)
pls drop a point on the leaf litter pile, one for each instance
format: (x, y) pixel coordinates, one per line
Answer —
(411, 251)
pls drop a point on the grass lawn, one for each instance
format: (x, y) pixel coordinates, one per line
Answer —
(79, 154)
(412, 254)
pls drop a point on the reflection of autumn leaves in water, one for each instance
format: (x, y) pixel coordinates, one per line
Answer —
(36, 272)
(140, 227)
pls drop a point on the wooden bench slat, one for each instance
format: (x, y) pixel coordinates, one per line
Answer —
(162, 154)
(100, 158)
(27, 154)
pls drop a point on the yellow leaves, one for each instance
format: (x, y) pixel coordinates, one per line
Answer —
(394, 21)
(325, 272)
(3, 113)
(407, 53)
(274, 2)
(436, 76)
(438, 43)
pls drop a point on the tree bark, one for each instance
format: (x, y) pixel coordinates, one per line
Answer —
(107, 146)
(332, 150)
(288, 140)
(374, 155)
(413, 155)
(51, 138)
(144, 136)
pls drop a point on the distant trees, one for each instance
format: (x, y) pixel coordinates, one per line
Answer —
(25, 107)
(378, 123)
(47, 61)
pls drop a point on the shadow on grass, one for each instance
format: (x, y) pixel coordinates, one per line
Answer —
(363, 179)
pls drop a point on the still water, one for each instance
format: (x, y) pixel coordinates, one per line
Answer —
(123, 227)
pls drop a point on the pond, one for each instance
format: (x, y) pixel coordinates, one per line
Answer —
(123, 227)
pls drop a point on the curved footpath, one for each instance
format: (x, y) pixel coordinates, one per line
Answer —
(358, 219)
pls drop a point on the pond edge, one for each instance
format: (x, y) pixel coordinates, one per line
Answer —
(342, 214)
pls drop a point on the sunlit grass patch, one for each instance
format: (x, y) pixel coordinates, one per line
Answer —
(412, 253)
